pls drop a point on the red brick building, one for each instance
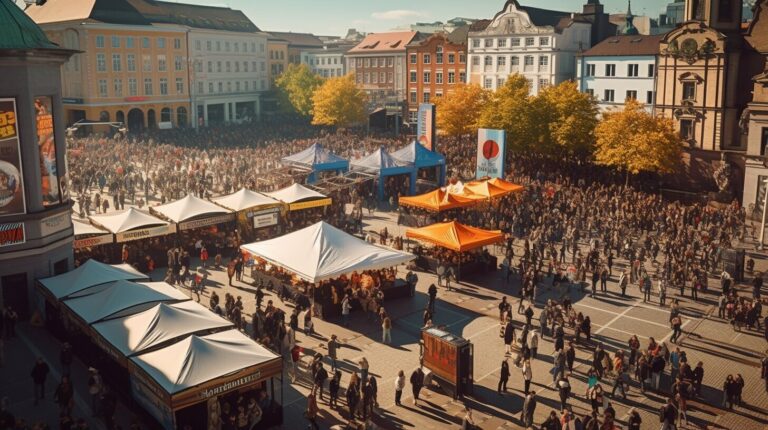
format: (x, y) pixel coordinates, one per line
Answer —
(435, 65)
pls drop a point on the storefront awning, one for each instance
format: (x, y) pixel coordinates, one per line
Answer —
(321, 251)
(455, 236)
(88, 275)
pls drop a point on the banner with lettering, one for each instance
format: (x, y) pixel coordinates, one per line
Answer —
(425, 128)
(491, 147)
(46, 141)
(12, 234)
(11, 180)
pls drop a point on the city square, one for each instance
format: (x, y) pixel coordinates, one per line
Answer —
(461, 224)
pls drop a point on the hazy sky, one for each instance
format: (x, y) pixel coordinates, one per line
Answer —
(333, 17)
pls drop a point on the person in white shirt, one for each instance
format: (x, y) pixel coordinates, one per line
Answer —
(399, 386)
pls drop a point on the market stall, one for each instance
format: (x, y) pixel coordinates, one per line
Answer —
(186, 382)
(384, 165)
(254, 211)
(88, 236)
(455, 247)
(305, 206)
(132, 224)
(487, 189)
(429, 165)
(90, 274)
(327, 254)
(212, 223)
(319, 160)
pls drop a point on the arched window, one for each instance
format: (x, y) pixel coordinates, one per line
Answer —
(104, 116)
(181, 116)
(165, 115)
(120, 116)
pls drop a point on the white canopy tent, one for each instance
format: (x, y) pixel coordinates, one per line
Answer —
(381, 160)
(89, 274)
(133, 224)
(321, 251)
(122, 298)
(244, 199)
(295, 193)
(159, 324)
(199, 359)
(193, 212)
(82, 228)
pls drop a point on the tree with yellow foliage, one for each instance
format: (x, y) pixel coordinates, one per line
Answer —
(339, 102)
(569, 117)
(458, 112)
(635, 141)
(511, 108)
(296, 85)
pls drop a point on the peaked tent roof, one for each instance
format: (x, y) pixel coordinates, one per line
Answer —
(89, 274)
(129, 219)
(122, 296)
(157, 325)
(199, 359)
(295, 193)
(455, 236)
(484, 190)
(83, 227)
(326, 253)
(382, 162)
(417, 154)
(437, 200)
(316, 157)
(505, 185)
(244, 199)
(187, 208)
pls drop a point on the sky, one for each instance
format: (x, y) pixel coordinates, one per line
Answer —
(334, 17)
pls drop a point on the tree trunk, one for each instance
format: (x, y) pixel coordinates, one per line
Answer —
(626, 180)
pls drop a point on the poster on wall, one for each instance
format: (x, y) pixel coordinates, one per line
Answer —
(12, 234)
(11, 183)
(491, 146)
(425, 127)
(46, 142)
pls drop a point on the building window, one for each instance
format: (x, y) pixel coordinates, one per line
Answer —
(439, 56)
(631, 95)
(210, 67)
(145, 42)
(543, 63)
(237, 67)
(177, 43)
(118, 87)
(210, 87)
(451, 77)
(200, 88)
(610, 70)
(221, 87)
(115, 41)
(382, 76)
(608, 96)
(102, 87)
(101, 63)
(382, 61)
(590, 70)
(245, 86)
(147, 67)
(390, 76)
(99, 41)
(178, 65)
(161, 43)
(544, 41)
(543, 83)
(129, 42)
(117, 64)
(633, 70)
(226, 46)
(489, 43)
(237, 85)
(686, 129)
(462, 76)
(425, 97)
(147, 86)
(462, 58)
(515, 41)
(162, 64)
(133, 87)
(218, 48)
(488, 60)
(413, 97)
(427, 77)
(488, 84)
(451, 58)
(501, 43)
(413, 78)
(649, 97)
(229, 67)
(374, 78)
(651, 70)
(501, 62)
(179, 86)
(209, 46)
(414, 58)
(218, 67)
(500, 82)
(475, 43)
(475, 61)
(439, 77)
(689, 90)
(427, 59)
(130, 60)
(198, 46)
(528, 63)
(590, 91)
(530, 41)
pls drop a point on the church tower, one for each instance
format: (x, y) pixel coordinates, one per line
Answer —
(594, 12)
(722, 15)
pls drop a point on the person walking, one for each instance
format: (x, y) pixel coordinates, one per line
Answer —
(676, 323)
(64, 396)
(320, 377)
(353, 395)
(564, 391)
(312, 410)
(668, 415)
(362, 364)
(432, 292)
(39, 373)
(94, 389)
(417, 382)
(509, 337)
(333, 346)
(333, 389)
(527, 371)
(504, 378)
(386, 330)
(346, 308)
(623, 282)
(399, 387)
(529, 408)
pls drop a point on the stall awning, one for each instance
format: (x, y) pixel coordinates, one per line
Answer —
(300, 197)
(506, 185)
(89, 274)
(485, 190)
(197, 360)
(321, 252)
(133, 224)
(188, 208)
(245, 199)
(83, 228)
(317, 158)
(437, 200)
(157, 325)
(455, 236)
(382, 163)
(122, 298)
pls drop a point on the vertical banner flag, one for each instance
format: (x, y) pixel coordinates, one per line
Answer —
(425, 129)
(491, 145)
(46, 141)
(11, 183)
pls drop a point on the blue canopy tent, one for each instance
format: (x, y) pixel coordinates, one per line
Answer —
(318, 159)
(384, 164)
(422, 158)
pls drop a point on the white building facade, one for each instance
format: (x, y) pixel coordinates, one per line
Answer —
(543, 49)
(328, 62)
(229, 75)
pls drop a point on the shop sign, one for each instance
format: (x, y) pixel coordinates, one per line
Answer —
(252, 214)
(310, 204)
(72, 101)
(144, 233)
(265, 220)
(231, 385)
(189, 225)
(92, 241)
(12, 234)
(54, 224)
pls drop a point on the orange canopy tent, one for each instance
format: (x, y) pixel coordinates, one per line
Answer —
(485, 190)
(506, 185)
(437, 200)
(455, 236)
